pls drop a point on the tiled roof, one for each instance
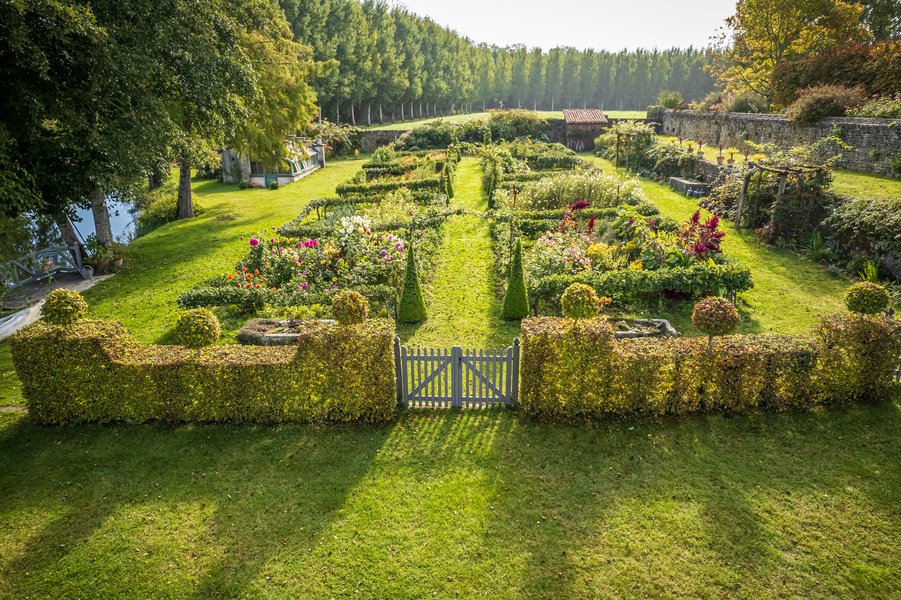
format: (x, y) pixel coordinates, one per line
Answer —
(583, 115)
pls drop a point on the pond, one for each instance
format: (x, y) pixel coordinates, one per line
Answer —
(122, 220)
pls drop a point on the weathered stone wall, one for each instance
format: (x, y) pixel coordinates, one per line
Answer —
(374, 138)
(863, 135)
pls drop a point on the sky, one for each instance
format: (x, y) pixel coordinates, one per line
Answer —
(598, 24)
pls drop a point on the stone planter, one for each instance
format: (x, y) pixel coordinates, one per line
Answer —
(271, 332)
(643, 328)
(700, 155)
(730, 162)
(719, 160)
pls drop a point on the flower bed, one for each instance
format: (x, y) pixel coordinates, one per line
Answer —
(359, 246)
(624, 252)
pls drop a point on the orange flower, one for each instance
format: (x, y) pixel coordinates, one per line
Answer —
(248, 276)
(258, 286)
(229, 277)
(248, 286)
(274, 289)
(256, 271)
(243, 268)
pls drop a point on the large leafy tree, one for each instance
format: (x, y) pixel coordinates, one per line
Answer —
(762, 34)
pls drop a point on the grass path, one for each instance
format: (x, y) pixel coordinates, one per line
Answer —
(461, 303)
(789, 291)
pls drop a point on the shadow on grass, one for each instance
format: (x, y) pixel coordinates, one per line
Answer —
(211, 500)
(452, 501)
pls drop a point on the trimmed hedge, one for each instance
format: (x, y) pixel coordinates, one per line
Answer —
(95, 371)
(696, 280)
(575, 369)
(250, 299)
(370, 189)
(293, 228)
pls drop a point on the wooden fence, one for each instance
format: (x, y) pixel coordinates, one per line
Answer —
(438, 378)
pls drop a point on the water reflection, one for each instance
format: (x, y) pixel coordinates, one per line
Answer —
(121, 216)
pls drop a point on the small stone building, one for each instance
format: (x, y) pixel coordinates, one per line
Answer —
(582, 125)
(303, 158)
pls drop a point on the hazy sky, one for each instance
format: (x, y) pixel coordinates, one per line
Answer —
(599, 24)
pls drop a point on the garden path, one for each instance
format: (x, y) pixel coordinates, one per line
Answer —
(462, 306)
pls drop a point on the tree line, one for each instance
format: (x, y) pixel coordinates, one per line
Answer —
(395, 64)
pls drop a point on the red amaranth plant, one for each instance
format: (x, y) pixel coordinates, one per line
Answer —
(701, 238)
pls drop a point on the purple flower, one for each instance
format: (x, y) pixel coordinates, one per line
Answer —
(399, 246)
(254, 242)
(272, 241)
(241, 238)
(384, 252)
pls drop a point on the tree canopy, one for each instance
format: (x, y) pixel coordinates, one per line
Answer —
(762, 34)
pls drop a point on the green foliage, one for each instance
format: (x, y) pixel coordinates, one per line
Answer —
(580, 301)
(895, 164)
(867, 298)
(886, 106)
(349, 308)
(64, 307)
(669, 99)
(274, 185)
(516, 299)
(97, 373)
(858, 354)
(697, 280)
(412, 305)
(874, 67)
(159, 207)
(197, 328)
(715, 316)
(871, 225)
(574, 368)
(746, 102)
(822, 101)
(338, 139)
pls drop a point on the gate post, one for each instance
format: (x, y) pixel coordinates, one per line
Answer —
(514, 395)
(398, 373)
(456, 377)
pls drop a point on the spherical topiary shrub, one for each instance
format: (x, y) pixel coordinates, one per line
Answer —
(349, 307)
(867, 298)
(63, 307)
(580, 301)
(715, 316)
(197, 328)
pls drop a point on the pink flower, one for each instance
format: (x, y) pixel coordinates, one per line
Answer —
(254, 242)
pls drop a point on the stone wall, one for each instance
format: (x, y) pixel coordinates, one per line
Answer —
(863, 135)
(371, 139)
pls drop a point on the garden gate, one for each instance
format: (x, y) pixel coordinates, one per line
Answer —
(436, 378)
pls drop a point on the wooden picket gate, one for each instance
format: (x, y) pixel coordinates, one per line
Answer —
(436, 378)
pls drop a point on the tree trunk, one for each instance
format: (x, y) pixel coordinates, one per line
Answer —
(420, 108)
(337, 113)
(185, 204)
(353, 116)
(67, 232)
(369, 114)
(402, 111)
(552, 103)
(381, 117)
(102, 226)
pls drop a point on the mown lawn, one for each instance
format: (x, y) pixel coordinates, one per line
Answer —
(444, 504)
(547, 114)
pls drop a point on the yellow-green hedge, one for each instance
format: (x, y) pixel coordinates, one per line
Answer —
(95, 371)
(576, 368)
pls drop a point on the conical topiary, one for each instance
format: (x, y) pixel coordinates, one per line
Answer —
(412, 306)
(516, 300)
(449, 187)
